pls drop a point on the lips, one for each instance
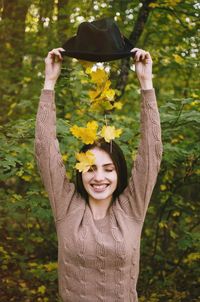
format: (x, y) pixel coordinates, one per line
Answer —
(99, 187)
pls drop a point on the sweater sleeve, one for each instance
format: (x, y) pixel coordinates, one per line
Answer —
(135, 198)
(48, 157)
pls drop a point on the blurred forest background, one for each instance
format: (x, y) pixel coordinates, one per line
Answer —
(168, 29)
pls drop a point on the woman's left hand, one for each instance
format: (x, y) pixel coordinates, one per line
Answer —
(143, 67)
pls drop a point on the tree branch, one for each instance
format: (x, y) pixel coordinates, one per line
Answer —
(134, 38)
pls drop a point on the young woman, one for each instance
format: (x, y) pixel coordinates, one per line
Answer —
(99, 222)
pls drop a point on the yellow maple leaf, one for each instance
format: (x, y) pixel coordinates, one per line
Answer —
(99, 76)
(118, 105)
(110, 93)
(92, 125)
(94, 93)
(178, 59)
(106, 92)
(95, 107)
(109, 133)
(86, 64)
(106, 105)
(107, 84)
(86, 160)
(88, 70)
(75, 130)
(87, 134)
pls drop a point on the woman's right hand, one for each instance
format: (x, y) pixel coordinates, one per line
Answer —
(53, 63)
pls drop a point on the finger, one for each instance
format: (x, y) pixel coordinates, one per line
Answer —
(139, 55)
(148, 56)
(134, 49)
(148, 59)
(55, 52)
(53, 58)
(60, 48)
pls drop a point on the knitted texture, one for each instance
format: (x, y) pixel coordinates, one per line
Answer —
(98, 260)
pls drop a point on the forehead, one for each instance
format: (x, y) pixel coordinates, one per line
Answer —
(101, 157)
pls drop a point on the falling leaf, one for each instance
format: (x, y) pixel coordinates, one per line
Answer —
(86, 160)
(99, 76)
(86, 64)
(109, 133)
(118, 105)
(87, 134)
(178, 59)
(94, 93)
(110, 93)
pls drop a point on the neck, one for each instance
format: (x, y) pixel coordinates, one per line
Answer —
(99, 207)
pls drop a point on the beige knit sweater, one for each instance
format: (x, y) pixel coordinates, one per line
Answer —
(98, 260)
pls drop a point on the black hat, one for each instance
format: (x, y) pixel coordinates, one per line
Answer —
(98, 41)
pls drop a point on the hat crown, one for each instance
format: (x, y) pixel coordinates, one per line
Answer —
(98, 41)
(100, 35)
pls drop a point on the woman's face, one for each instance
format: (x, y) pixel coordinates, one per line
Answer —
(101, 180)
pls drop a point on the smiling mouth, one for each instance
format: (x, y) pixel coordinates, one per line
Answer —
(99, 188)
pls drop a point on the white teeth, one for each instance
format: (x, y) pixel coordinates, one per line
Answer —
(99, 186)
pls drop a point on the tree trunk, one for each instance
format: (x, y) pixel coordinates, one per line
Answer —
(134, 38)
(12, 37)
(63, 20)
(12, 32)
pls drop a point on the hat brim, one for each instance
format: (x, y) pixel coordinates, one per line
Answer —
(95, 56)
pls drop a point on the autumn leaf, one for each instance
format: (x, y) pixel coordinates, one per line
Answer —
(110, 93)
(107, 84)
(178, 59)
(86, 160)
(75, 130)
(105, 92)
(99, 76)
(118, 105)
(94, 93)
(92, 125)
(86, 64)
(87, 134)
(109, 133)
(101, 106)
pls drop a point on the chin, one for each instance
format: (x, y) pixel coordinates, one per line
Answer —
(99, 198)
(100, 195)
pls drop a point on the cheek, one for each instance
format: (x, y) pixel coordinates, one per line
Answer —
(85, 178)
(115, 179)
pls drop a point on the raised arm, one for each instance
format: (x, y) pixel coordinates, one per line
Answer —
(48, 157)
(135, 199)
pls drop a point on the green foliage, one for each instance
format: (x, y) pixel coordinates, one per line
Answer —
(170, 242)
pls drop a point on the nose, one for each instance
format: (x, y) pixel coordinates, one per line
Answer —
(99, 175)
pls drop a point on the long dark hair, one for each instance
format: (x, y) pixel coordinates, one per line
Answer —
(117, 156)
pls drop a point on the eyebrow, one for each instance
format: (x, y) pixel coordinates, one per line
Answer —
(110, 164)
(106, 165)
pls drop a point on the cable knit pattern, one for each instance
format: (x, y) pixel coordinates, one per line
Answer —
(135, 199)
(98, 260)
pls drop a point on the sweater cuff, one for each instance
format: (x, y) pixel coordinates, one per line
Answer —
(148, 94)
(47, 95)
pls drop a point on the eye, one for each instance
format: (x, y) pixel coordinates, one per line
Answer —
(109, 169)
